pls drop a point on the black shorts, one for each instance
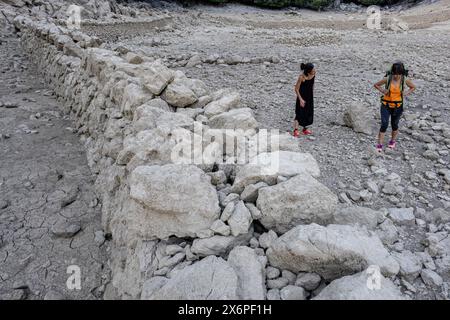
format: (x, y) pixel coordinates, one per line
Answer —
(393, 113)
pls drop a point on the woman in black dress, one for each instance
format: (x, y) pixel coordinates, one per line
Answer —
(304, 108)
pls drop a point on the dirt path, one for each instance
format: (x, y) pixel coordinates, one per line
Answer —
(49, 214)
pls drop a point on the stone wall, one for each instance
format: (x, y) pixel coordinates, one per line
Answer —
(172, 194)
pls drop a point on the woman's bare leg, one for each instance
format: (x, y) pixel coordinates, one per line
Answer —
(394, 135)
(381, 137)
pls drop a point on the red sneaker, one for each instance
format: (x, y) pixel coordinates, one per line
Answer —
(296, 134)
(306, 132)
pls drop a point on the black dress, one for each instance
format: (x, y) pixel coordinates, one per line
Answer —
(305, 115)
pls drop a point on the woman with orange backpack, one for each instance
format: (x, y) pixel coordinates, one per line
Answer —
(392, 101)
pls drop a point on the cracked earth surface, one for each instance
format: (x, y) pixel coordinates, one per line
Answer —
(49, 213)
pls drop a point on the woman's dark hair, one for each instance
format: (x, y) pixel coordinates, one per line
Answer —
(307, 68)
(398, 68)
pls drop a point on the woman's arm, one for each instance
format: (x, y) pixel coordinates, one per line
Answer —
(379, 85)
(411, 87)
(297, 90)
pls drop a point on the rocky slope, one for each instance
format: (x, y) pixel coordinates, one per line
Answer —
(318, 226)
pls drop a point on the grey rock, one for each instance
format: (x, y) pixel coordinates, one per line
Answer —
(240, 220)
(272, 273)
(278, 283)
(387, 232)
(273, 294)
(209, 279)
(410, 264)
(227, 211)
(357, 117)
(289, 275)
(250, 273)
(266, 239)
(65, 229)
(355, 287)
(402, 216)
(218, 245)
(221, 228)
(171, 200)
(254, 211)
(300, 200)
(331, 251)
(431, 278)
(250, 193)
(355, 215)
(309, 281)
(291, 292)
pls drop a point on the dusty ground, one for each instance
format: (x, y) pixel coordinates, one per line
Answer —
(44, 178)
(46, 191)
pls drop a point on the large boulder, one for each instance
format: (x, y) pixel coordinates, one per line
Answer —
(251, 174)
(178, 94)
(147, 117)
(209, 279)
(355, 215)
(270, 141)
(155, 77)
(299, 200)
(410, 264)
(250, 272)
(332, 252)
(361, 287)
(438, 243)
(134, 95)
(241, 118)
(147, 146)
(288, 163)
(358, 117)
(224, 104)
(172, 200)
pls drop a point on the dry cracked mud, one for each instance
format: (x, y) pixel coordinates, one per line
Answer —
(49, 213)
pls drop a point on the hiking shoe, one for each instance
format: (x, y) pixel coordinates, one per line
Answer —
(379, 147)
(391, 144)
(295, 134)
(306, 132)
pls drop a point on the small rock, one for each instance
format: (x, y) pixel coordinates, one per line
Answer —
(292, 293)
(272, 273)
(254, 243)
(3, 204)
(289, 275)
(221, 228)
(267, 238)
(402, 216)
(278, 283)
(254, 211)
(309, 281)
(227, 212)
(273, 294)
(65, 229)
(99, 237)
(431, 278)
(173, 249)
